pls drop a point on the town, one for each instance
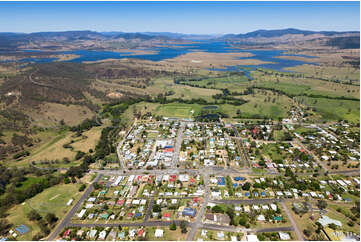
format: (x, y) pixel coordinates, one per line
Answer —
(186, 180)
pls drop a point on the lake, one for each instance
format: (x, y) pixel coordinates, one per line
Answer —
(172, 52)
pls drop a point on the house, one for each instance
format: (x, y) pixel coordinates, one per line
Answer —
(325, 220)
(81, 214)
(220, 235)
(92, 233)
(247, 209)
(261, 218)
(189, 212)
(132, 233)
(158, 233)
(273, 206)
(166, 216)
(66, 233)
(102, 235)
(284, 236)
(265, 207)
(121, 235)
(252, 237)
(69, 202)
(112, 235)
(141, 233)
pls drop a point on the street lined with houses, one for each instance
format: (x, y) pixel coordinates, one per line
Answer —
(200, 177)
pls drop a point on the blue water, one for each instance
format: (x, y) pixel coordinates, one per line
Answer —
(177, 50)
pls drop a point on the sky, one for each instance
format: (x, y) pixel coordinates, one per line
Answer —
(180, 17)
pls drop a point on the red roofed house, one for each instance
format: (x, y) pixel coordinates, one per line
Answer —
(255, 130)
(166, 216)
(141, 233)
(66, 233)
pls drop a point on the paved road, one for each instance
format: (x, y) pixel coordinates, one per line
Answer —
(294, 225)
(198, 223)
(214, 170)
(123, 165)
(148, 223)
(228, 228)
(277, 229)
(178, 144)
(241, 149)
(248, 201)
(74, 209)
(149, 209)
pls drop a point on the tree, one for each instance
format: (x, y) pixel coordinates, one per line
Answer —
(217, 209)
(50, 218)
(4, 226)
(33, 215)
(246, 186)
(183, 227)
(157, 208)
(82, 187)
(66, 180)
(307, 232)
(321, 204)
(173, 226)
(332, 226)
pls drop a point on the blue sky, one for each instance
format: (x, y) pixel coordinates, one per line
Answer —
(182, 17)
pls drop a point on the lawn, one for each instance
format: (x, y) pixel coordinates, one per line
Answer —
(178, 110)
(51, 200)
(332, 213)
(168, 235)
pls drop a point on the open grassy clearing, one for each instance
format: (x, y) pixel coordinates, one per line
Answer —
(232, 82)
(54, 149)
(269, 105)
(162, 85)
(52, 113)
(328, 72)
(331, 109)
(298, 85)
(168, 235)
(257, 105)
(51, 200)
(178, 110)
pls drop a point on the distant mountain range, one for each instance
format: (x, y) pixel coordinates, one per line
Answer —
(280, 32)
(10, 41)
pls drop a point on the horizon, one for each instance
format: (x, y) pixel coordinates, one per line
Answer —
(145, 32)
(203, 18)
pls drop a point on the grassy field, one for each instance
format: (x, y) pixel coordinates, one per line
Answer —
(298, 85)
(328, 72)
(52, 113)
(331, 109)
(163, 85)
(168, 235)
(178, 110)
(53, 149)
(257, 106)
(233, 83)
(51, 200)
